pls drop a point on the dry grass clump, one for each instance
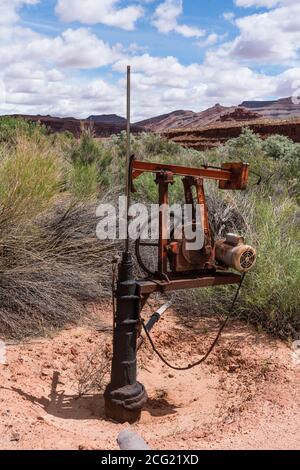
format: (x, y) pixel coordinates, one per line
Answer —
(50, 268)
(51, 262)
(93, 373)
(30, 176)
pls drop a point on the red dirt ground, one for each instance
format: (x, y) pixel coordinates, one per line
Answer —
(245, 397)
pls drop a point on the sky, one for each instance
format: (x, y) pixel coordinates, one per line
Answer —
(69, 57)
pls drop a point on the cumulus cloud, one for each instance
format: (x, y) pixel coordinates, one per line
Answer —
(162, 84)
(210, 40)
(92, 12)
(257, 3)
(46, 74)
(9, 9)
(273, 36)
(165, 19)
(159, 84)
(37, 72)
(74, 48)
(264, 3)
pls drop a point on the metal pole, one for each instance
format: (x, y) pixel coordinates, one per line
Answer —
(124, 396)
(128, 152)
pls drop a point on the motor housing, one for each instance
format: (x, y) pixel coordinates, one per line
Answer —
(232, 252)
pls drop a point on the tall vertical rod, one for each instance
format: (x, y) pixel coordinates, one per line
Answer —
(128, 152)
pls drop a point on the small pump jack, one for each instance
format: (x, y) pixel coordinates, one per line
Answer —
(177, 268)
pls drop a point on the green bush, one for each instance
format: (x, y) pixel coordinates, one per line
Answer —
(271, 296)
(245, 147)
(279, 147)
(152, 144)
(87, 150)
(11, 129)
(118, 145)
(30, 176)
(83, 180)
(92, 166)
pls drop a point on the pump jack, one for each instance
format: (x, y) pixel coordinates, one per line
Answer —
(177, 268)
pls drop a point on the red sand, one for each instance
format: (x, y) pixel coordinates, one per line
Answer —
(245, 397)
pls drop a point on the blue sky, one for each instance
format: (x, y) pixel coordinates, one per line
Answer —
(68, 57)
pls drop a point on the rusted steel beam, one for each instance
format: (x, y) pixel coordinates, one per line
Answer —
(163, 180)
(141, 167)
(239, 176)
(231, 176)
(146, 287)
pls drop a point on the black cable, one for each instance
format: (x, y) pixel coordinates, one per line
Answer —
(260, 178)
(204, 358)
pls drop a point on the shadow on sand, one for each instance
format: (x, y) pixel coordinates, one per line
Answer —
(84, 407)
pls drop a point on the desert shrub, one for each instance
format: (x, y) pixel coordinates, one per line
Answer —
(144, 145)
(152, 144)
(83, 180)
(271, 293)
(87, 150)
(279, 147)
(118, 145)
(276, 160)
(247, 146)
(92, 165)
(11, 129)
(30, 176)
(93, 372)
(51, 268)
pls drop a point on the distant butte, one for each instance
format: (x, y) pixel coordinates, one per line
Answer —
(205, 129)
(249, 110)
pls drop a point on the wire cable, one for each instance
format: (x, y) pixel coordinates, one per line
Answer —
(212, 347)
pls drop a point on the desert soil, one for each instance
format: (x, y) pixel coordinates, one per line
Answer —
(245, 397)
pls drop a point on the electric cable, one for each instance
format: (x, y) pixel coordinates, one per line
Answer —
(212, 347)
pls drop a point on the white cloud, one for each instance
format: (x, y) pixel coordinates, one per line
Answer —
(273, 36)
(166, 20)
(9, 9)
(46, 92)
(265, 3)
(229, 16)
(42, 74)
(77, 48)
(164, 84)
(257, 3)
(92, 12)
(159, 84)
(210, 40)
(35, 72)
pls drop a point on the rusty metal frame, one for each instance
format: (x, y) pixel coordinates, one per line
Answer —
(148, 286)
(232, 176)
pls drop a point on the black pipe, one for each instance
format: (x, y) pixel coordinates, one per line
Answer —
(124, 396)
